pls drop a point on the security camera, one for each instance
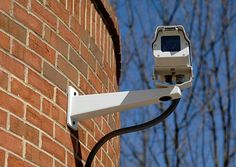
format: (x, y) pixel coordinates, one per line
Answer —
(173, 67)
(173, 73)
(172, 53)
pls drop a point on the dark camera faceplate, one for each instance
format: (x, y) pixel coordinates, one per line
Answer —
(170, 43)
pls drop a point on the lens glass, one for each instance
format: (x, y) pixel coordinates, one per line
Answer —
(170, 43)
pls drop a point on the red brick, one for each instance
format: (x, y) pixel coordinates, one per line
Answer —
(41, 84)
(24, 130)
(71, 160)
(113, 63)
(91, 142)
(70, 6)
(10, 142)
(96, 52)
(70, 143)
(38, 157)
(88, 12)
(97, 163)
(110, 86)
(26, 56)
(47, 125)
(59, 10)
(93, 79)
(78, 62)
(77, 10)
(111, 152)
(117, 118)
(102, 76)
(108, 48)
(31, 134)
(88, 57)
(80, 31)
(25, 93)
(10, 103)
(63, 137)
(111, 52)
(2, 157)
(82, 7)
(5, 5)
(98, 121)
(67, 69)
(39, 10)
(12, 65)
(61, 99)
(4, 80)
(23, 2)
(105, 54)
(112, 122)
(58, 164)
(97, 30)
(82, 135)
(54, 76)
(41, 48)
(105, 128)
(55, 41)
(84, 36)
(3, 119)
(69, 36)
(84, 85)
(93, 22)
(27, 19)
(12, 28)
(84, 152)
(39, 120)
(33, 116)
(88, 125)
(53, 148)
(63, 2)
(14, 161)
(75, 25)
(103, 31)
(105, 160)
(5, 41)
(108, 70)
(98, 134)
(17, 126)
(54, 112)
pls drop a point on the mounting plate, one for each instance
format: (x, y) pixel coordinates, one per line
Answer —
(72, 123)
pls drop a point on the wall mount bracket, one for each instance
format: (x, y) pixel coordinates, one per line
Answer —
(82, 107)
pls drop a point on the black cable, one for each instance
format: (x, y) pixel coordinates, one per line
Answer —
(135, 128)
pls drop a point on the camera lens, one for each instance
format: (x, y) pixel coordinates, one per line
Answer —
(168, 78)
(170, 43)
(180, 78)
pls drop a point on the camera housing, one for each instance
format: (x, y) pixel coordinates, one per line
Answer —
(172, 53)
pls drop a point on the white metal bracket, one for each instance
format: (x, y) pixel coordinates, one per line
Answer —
(90, 106)
(72, 93)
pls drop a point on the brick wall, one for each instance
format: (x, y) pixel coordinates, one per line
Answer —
(45, 46)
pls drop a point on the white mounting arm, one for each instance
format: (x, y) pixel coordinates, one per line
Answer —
(90, 106)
